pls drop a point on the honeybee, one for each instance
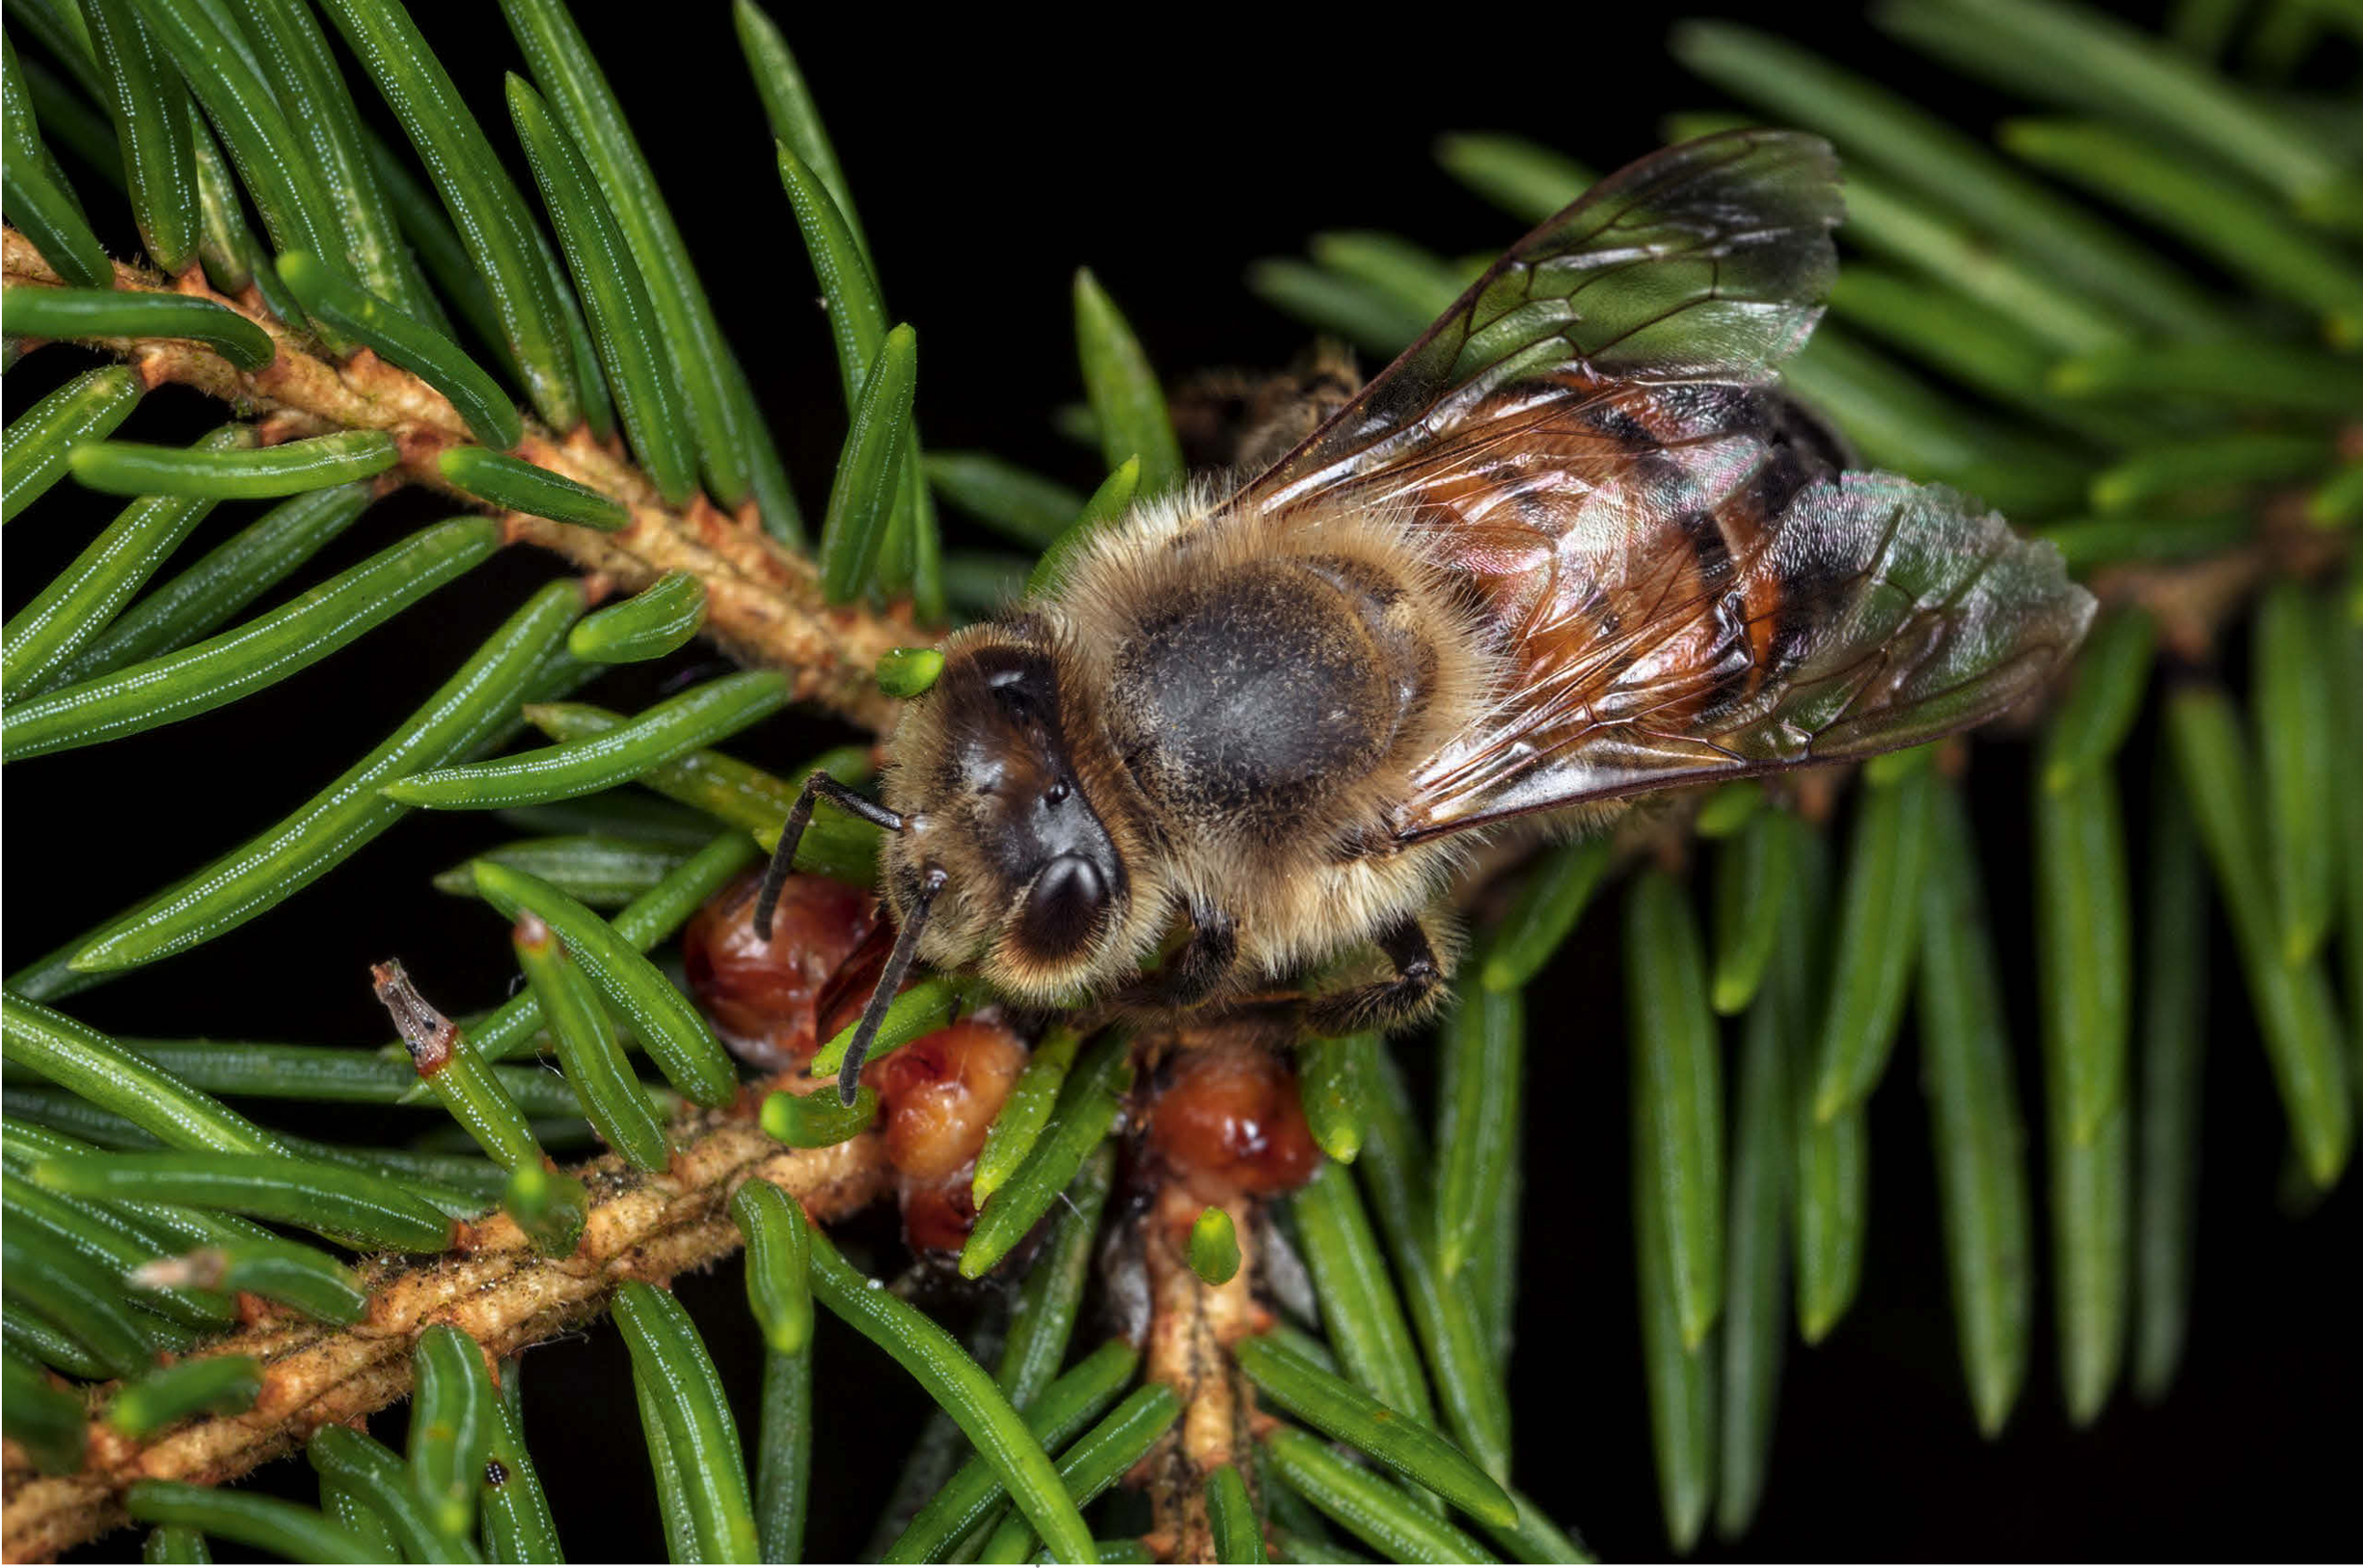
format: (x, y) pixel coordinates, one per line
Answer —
(1573, 546)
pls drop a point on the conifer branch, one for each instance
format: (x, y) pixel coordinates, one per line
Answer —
(764, 605)
(494, 1286)
(1192, 1325)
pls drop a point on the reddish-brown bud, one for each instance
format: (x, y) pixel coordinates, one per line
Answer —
(1227, 1121)
(847, 991)
(938, 1217)
(761, 997)
(940, 1093)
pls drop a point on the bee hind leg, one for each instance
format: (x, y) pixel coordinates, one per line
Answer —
(1417, 987)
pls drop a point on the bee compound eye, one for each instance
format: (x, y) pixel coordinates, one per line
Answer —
(1064, 906)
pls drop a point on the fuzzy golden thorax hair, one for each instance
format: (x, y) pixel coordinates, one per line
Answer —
(1211, 717)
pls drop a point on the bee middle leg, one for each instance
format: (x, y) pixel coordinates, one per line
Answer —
(1417, 986)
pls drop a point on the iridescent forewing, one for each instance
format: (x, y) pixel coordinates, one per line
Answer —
(1675, 584)
(1863, 615)
(1704, 261)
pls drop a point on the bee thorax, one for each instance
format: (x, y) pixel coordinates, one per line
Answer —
(1250, 700)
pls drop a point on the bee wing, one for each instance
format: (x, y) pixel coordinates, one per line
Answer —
(1807, 616)
(1674, 581)
(1704, 261)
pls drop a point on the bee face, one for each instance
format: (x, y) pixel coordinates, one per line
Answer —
(1036, 884)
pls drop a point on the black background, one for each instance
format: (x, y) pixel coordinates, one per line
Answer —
(990, 152)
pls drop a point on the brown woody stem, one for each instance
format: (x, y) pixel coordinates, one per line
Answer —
(764, 605)
(495, 1286)
(1192, 1325)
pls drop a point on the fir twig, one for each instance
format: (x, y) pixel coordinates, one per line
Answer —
(496, 1285)
(764, 604)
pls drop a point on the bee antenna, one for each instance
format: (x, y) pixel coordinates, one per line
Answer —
(792, 834)
(890, 981)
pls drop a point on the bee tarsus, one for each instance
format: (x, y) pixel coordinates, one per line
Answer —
(1419, 981)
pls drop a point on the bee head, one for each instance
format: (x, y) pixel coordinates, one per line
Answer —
(997, 776)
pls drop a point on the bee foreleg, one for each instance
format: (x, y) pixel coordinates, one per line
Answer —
(1202, 965)
(1417, 984)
